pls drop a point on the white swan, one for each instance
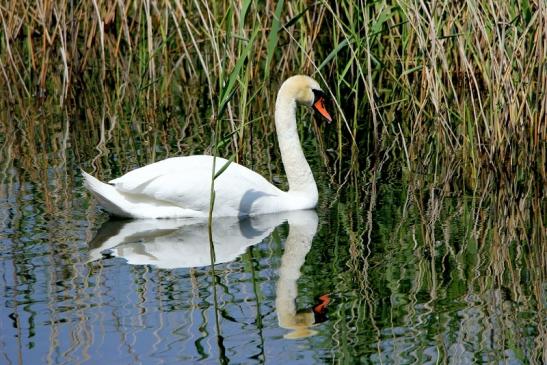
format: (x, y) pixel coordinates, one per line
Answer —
(180, 186)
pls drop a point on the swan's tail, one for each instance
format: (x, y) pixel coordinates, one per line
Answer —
(109, 198)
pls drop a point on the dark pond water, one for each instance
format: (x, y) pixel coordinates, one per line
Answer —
(400, 279)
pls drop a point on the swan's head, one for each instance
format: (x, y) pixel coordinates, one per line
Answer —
(306, 91)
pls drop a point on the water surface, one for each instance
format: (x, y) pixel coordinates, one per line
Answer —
(404, 285)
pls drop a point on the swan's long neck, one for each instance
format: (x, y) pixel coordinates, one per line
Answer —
(298, 171)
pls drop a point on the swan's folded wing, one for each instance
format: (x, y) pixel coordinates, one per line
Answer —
(186, 183)
(187, 166)
(174, 188)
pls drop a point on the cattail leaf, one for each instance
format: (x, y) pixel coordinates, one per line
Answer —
(273, 37)
(296, 18)
(224, 167)
(229, 87)
(333, 53)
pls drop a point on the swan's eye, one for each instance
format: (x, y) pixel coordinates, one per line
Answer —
(319, 104)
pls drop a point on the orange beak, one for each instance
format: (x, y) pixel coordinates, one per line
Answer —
(319, 106)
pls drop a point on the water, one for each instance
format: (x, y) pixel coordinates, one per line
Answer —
(375, 275)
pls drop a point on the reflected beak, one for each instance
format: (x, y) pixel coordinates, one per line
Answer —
(322, 306)
(319, 106)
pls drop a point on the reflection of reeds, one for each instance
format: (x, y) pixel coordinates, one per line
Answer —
(480, 254)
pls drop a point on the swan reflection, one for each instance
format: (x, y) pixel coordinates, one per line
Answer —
(184, 243)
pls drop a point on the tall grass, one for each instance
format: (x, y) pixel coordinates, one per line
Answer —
(414, 83)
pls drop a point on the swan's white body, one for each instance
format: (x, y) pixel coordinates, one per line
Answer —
(180, 187)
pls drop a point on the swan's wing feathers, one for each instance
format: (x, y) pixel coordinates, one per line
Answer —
(133, 181)
(186, 191)
(186, 183)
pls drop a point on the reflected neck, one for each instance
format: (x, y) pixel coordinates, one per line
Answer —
(302, 228)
